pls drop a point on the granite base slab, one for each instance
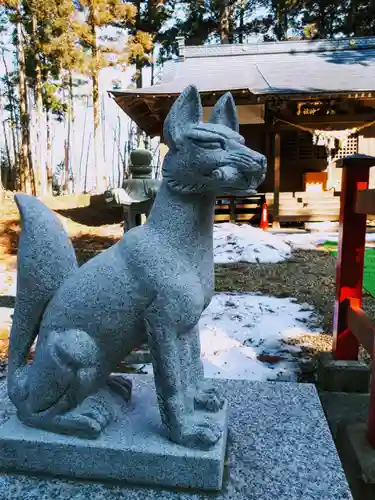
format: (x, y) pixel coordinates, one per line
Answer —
(279, 448)
(133, 449)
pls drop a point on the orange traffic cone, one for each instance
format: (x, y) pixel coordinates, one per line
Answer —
(264, 217)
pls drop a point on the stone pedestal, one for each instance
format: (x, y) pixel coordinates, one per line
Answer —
(134, 449)
(359, 460)
(279, 448)
(342, 376)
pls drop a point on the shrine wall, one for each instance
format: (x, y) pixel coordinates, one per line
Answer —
(299, 155)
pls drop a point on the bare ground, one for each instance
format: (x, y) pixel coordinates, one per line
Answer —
(91, 225)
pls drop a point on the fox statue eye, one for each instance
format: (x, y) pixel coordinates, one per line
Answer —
(214, 145)
(211, 145)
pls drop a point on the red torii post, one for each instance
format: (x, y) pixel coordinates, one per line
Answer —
(351, 251)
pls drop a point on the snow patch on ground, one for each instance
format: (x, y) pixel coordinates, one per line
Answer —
(8, 285)
(237, 329)
(245, 243)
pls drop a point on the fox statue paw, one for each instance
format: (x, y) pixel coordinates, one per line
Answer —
(208, 398)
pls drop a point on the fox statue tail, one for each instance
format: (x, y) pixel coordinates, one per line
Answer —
(46, 257)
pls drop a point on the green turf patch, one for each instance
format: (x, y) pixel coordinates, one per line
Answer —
(369, 270)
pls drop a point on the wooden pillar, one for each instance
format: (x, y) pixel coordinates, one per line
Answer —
(351, 253)
(267, 145)
(232, 205)
(276, 181)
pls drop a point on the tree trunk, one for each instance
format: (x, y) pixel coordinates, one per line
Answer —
(322, 22)
(98, 166)
(7, 177)
(68, 140)
(242, 24)
(139, 68)
(24, 168)
(49, 154)
(138, 26)
(1, 187)
(80, 168)
(139, 86)
(40, 171)
(281, 27)
(13, 124)
(224, 22)
(153, 68)
(66, 162)
(72, 123)
(27, 177)
(97, 146)
(4, 177)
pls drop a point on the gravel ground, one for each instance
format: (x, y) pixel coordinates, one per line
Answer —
(308, 277)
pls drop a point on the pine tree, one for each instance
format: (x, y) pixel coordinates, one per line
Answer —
(9, 103)
(53, 46)
(221, 21)
(27, 172)
(53, 107)
(101, 53)
(351, 17)
(14, 9)
(148, 31)
(359, 18)
(319, 18)
(34, 22)
(322, 18)
(11, 107)
(62, 56)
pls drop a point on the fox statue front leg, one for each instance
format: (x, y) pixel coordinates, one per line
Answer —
(205, 396)
(184, 426)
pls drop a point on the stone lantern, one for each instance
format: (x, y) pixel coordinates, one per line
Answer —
(138, 192)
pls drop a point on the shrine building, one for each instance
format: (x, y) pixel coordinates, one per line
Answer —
(303, 104)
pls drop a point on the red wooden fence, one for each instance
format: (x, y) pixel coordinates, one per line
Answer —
(351, 326)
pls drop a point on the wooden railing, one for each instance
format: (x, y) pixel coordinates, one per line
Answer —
(238, 209)
(351, 325)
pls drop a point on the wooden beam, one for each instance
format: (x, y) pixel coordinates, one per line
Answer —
(362, 327)
(276, 182)
(365, 203)
(326, 119)
(297, 96)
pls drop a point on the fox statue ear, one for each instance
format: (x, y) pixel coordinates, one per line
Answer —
(225, 112)
(186, 112)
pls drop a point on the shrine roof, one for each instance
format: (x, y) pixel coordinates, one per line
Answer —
(266, 69)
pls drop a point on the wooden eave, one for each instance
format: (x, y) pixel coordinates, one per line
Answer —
(149, 110)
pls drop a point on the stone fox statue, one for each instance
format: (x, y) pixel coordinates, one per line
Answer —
(153, 285)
